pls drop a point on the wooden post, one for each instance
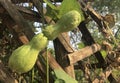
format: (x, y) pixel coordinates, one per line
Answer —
(83, 53)
(62, 48)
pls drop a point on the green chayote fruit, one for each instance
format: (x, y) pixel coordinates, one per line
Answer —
(67, 22)
(23, 58)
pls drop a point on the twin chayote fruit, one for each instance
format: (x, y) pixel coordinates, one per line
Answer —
(24, 57)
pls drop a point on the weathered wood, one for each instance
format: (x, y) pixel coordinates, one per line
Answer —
(27, 13)
(5, 76)
(63, 39)
(98, 19)
(17, 17)
(89, 40)
(83, 53)
(61, 52)
(52, 62)
(13, 28)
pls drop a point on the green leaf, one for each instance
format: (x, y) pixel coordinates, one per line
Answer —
(59, 81)
(52, 13)
(52, 10)
(81, 45)
(68, 5)
(104, 53)
(62, 77)
(57, 12)
(50, 4)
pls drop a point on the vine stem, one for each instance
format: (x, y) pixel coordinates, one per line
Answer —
(47, 61)
(32, 75)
